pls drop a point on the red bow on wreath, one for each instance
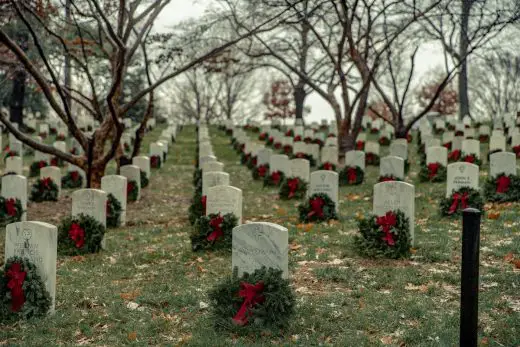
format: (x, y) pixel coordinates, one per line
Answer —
(293, 186)
(252, 295)
(297, 138)
(74, 175)
(447, 145)
(77, 234)
(360, 145)
(351, 175)
(454, 155)
(370, 157)
(316, 207)
(254, 161)
(16, 278)
(129, 188)
(300, 155)
(46, 182)
(386, 222)
(470, 158)
(10, 206)
(42, 164)
(432, 169)
(155, 161)
(262, 170)
(503, 183)
(516, 149)
(386, 179)
(276, 177)
(328, 166)
(458, 198)
(203, 200)
(215, 223)
(54, 162)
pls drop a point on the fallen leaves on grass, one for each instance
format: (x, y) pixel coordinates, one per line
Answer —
(132, 336)
(305, 227)
(423, 288)
(493, 215)
(78, 258)
(130, 295)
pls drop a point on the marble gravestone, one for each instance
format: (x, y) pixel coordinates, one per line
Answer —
(260, 244)
(16, 146)
(300, 168)
(132, 173)
(314, 150)
(399, 149)
(40, 156)
(497, 142)
(280, 162)
(81, 172)
(90, 202)
(212, 179)
(502, 163)
(15, 186)
(212, 166)
(471, 147)
(54, 173)
(372, 147)
(14, 164)
(461, 174)
(224, 199)
(456, 144)
(205, 158)
(143, 163)
(38, 242)
(61, 145)
(447, 137)
(116, 185)
(299, 147)
(264, 156)
(437, 154)
(395, 195)
(469, 133)
(355, 158)
(326, 182)
(329, 155)
(392, 166)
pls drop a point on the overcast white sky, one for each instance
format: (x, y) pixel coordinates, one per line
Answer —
(428, 58)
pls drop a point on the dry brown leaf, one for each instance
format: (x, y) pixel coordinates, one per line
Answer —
(130, 295)
(387, 340)
(78, 258)
(281, 211)
(308, 227)
(493, 215)
(413, 250)
(516, 262)
(484, 341)
(509, 257)
(132, 336)
(423, 288)
(294, 247)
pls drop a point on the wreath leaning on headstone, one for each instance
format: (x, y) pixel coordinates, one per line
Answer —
(252, 302)
(155, 162)
(36, 166)
(197, 208)
(132, 190)
(11, 210)
(433, 172)
(72, 180)
(293, 188)
(389, 178)
(260, 172)
(80, 234)
(327, 166)
(387, 236)
(275, 178)
(114, 210)
(371, 159)
(144, 179)
(44, 189)
(459, 200)
(351, 175)
(213, 231)
(502, 188)
(470, 158)
(301, 155)
(318, 208)
(197, 177)
(22, 292)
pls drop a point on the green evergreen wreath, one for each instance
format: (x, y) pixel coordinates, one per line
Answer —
(56, 161)
(388, 178)
(502, 188)
(44, 189)
(271, 307)
(251, 163)
(260, 172)
(387, 236)
(80, 234)
(11, 210)
(10, 153)
(301, 155)
(293, 188)
(327, 166)
(197, 208)
(350, 176)
(433, 172)
(213, 231)
(34, 170)
(244, 158)
(114, 211)
(466, 197)
(274, 179)
(22, 292)
(384, 141)
(155, 161)
(132, 190)
(72, 180)
(470, 158)
(317, 208)
(144, 179)
(371, 159)
(197, 177)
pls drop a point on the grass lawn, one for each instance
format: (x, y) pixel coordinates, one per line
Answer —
(149, 288)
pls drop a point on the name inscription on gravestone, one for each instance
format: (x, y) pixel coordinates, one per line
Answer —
(25, 249)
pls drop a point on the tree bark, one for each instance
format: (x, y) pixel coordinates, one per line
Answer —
(299, 100)
(18, 87)
(463, 51)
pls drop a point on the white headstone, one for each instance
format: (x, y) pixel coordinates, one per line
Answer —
(14, 164)
(392, 166)
(54, 173)
(116, 185)
(461, 174)
(437, 155)
(143, 163)
(280, 162)
(212, 179)
(355, 158)
(326, 182)
(132, 173)
(502, 163)
(224, 199)
(15, 186)
(300, 168)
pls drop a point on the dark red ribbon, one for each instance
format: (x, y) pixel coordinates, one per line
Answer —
(276, 177)
(454, 155)
(262, 170)
(16, 278)
(433, 168)
(516, 149)
(503, 183)
(300, 155)
(386, 179)
(351, 175)
(42, 164)
(293, 186)
(287, 149)
(328, 166)
(54, 162)
(458, 198)
(74, 175)
(216, 225)
(297, 138)
(252, 295)
(204, 200)
(77, 234)
(154, 161)
(129, 188)
(360, 145)
(46, 182)
(370, 157)
(470, 158)
(10, 206)
(386, 222)
(316, 207)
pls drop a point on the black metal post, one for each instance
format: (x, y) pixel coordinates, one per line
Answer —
(469, 277)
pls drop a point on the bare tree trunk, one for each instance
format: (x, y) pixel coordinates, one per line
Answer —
(67, 68)
(18, 90)
(463, 52)
(299, 100)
